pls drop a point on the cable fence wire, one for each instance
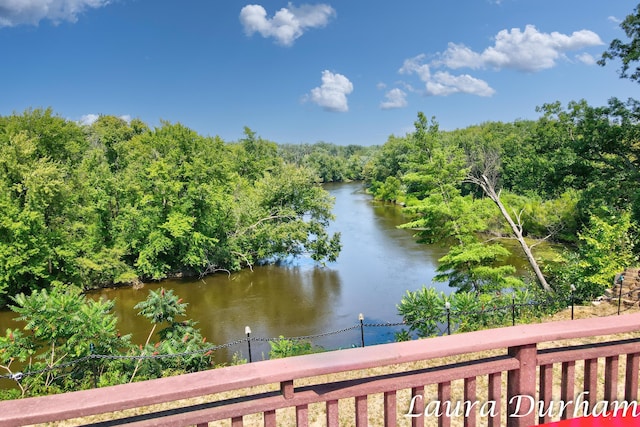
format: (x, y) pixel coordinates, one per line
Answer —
(306, 337)
(443, 324)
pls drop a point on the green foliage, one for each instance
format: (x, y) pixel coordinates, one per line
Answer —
(115, 202)
(556, 217)
(285, 347)
(402, 335)
(61, 325)
(628, 53)
(284, 213)
(388, 161)
(425, 310)
(389, 190)
(161, 306)
(329, 162)
(472, 267)
(439, 218)
(164, 309)
(556, 176)
(62, 328)
(422, 310)
(605, 248)
(255, 156)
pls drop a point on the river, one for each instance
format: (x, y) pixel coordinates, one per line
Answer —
(377, 265)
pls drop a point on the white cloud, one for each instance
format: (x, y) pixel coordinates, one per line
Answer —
(529, 50)
(459, 55)
(395, 98)
(415, 66)
(88, 119)
(16, 12)
(444, 84)
(287, 24)
(615, 20)
(332, 94)
(586, 58)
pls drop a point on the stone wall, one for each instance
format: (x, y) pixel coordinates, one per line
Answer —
(630, 286)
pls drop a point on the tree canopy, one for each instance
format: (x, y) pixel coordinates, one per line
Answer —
(629, 52)
(116, 202)
(549, 179)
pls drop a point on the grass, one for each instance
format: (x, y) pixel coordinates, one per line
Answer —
(286, 417)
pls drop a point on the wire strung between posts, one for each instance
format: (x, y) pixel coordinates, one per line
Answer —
(305, 337)
(18, 376)
(377, 325)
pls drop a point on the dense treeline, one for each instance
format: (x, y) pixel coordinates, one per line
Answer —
(116, 202)
(330, 162)
(571, 177)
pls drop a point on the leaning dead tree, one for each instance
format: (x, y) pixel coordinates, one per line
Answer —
(487, 180)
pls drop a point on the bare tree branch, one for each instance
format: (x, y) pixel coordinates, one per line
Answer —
(487, 180)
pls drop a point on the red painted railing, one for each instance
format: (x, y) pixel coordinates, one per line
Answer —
(515, 385)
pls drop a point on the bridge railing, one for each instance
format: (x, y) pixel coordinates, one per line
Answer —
(514, 376)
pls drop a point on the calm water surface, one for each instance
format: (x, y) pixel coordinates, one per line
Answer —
(377, 265)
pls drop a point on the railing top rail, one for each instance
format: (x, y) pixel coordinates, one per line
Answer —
(119, 397)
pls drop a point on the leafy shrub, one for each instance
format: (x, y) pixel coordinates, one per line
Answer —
(285, 347)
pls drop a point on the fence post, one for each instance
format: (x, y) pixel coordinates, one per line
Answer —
(521, 387)
(447, 306)
(513, 310)
(361, 319)
(247, 330)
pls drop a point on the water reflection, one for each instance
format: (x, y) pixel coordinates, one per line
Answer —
(377, 265)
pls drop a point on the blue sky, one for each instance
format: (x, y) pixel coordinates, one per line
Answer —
(345, 72)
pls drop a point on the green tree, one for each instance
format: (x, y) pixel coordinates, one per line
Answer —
(605, 248)
(61, 325)
(255, 156)
(285, 213)
(177, 336)
(390, 189)
(423, 311)
(486, 178)
(474, 268)
(173, 202)
(388, 161)
(430, 313)
(629, 52)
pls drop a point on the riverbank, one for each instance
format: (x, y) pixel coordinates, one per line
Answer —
(299, 297)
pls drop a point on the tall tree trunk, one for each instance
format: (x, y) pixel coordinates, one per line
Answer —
(489, 189)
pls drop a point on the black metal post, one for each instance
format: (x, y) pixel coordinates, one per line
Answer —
(573, 300)
(447, 306)
(620, 280)
(361, 318)
(247, 330)
(94, 367)
(513, 310)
